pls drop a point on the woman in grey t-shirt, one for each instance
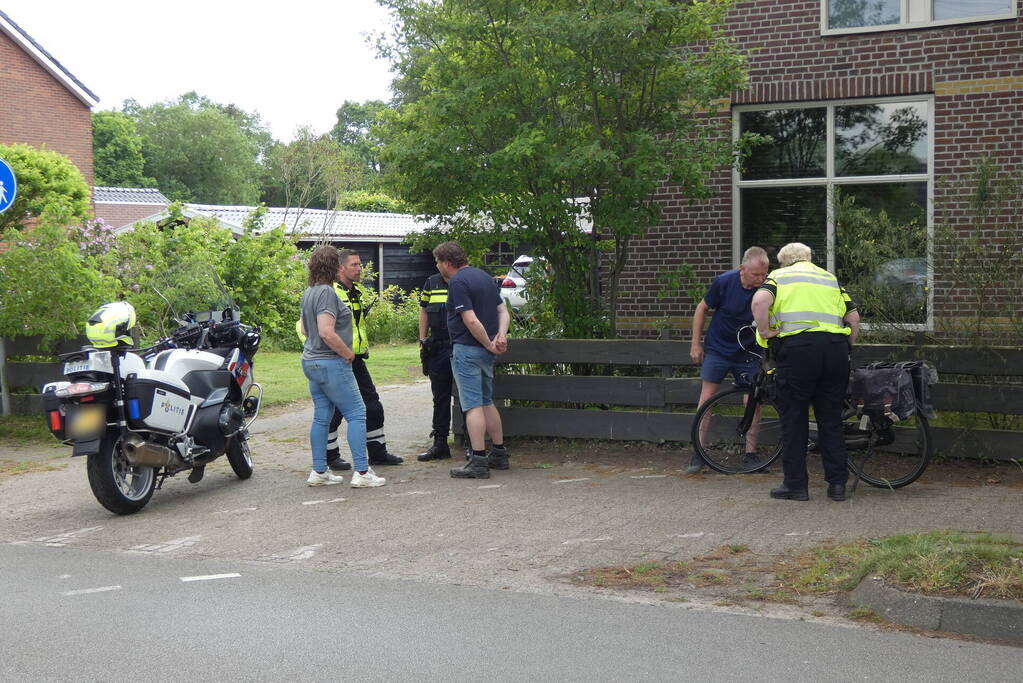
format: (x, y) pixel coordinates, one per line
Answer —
(327, 363)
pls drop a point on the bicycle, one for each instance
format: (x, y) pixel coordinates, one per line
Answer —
(738, 431)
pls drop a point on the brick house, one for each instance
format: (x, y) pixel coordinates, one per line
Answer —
(42, 103)
(891, 102)
(120, 206)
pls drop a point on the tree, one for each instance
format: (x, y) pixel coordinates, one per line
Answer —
(117, 151)
(309, 172)
(199, 151)
(512, 110)
(48, 183)
(354, 132)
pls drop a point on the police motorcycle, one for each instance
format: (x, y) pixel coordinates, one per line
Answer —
(142, 415)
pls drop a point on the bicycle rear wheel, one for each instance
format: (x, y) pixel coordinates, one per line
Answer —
(719, 438)
(889, 457)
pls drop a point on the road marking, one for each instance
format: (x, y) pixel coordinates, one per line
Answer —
(209, 577)
(60, 540)
(573, 541)
(303, 553)
(648, 476)
(490, 486)
(324, 500)
(167, 546)
(86, 591)
(569, 481)
(410, 493)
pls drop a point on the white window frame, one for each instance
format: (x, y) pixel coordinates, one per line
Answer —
(914, 14)
(830, 181)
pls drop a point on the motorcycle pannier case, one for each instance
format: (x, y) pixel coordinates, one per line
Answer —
(156, 405)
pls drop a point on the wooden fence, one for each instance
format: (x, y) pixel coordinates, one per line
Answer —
(31, 375)
(661, 408)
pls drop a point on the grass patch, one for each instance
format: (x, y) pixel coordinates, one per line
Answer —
(23, 429)
(280, 372)
(12, 468)
(655, 576)
(938, 563)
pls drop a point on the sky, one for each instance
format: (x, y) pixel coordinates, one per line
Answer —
(294, 62)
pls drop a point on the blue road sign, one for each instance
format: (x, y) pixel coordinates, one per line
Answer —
(8, 186)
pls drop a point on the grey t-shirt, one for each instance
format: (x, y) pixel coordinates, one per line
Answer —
(323, 299)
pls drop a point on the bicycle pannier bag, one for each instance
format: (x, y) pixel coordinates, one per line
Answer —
(886, 391)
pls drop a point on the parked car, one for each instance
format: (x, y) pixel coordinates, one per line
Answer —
(513, 285)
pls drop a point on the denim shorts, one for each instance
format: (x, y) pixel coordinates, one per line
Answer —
(716, 367)
(473, 368)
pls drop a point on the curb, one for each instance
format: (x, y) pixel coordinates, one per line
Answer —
(993, 619)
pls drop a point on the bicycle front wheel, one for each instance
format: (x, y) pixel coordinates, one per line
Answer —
(890, 457)
(719, 436)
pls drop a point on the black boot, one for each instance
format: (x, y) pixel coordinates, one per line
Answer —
(497, 459)
(475, 468)
(438, 451)
(378, 455)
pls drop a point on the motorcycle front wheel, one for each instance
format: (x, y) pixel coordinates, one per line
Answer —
(118, 485)
(239, 457)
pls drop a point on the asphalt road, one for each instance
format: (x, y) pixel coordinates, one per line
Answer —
(85, 615)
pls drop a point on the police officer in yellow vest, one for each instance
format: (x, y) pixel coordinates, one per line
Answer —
(352, 293)
(810, 324)
(435, 350)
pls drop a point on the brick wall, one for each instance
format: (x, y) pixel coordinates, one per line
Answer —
(974, 71)
(36, 109)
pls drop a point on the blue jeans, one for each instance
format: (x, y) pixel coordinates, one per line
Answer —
(332, 385)
(473, 368)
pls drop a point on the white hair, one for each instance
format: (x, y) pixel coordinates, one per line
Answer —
(793, 252)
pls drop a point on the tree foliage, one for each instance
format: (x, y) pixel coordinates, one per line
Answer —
(312, 171)
(199, 151)
(509, 110)
(354, 132)
(48, 183)
(117, 151)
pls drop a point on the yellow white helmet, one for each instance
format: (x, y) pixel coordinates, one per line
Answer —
(111, 325)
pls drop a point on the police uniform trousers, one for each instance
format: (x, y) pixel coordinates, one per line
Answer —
(442, 380)
(813, 369)
(375, 440)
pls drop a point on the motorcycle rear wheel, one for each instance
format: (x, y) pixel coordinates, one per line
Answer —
(239, 457)
(118, 485)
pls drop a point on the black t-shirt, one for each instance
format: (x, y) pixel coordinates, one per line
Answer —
(471, 289)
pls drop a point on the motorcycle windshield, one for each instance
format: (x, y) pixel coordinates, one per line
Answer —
(194, 293)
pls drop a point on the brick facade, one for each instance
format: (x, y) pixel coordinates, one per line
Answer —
(38, 110)
(974, 72)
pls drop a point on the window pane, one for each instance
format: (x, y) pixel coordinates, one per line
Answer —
(958, 9)
(856, 13)
(881, 249)
(774, 216)
(881, 139)
(797, 144)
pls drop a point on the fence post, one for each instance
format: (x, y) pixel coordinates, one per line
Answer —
(5, 392)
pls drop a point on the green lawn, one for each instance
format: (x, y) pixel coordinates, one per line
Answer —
(283, 382)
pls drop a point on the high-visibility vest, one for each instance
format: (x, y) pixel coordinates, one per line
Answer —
(353, 299)
(434, 298)
(808, 299)
(360, 341)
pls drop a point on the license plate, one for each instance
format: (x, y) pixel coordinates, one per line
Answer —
(87, 422)
(97, 361)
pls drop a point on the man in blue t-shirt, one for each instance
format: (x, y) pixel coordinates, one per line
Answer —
(478, 325)
(729, 300)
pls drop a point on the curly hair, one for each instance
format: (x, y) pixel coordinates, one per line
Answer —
(323, 265)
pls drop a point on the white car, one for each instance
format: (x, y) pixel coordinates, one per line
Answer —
(513, 285)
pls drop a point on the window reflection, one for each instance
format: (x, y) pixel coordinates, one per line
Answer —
(959, 9)
(774, 216)
(881, 139)
(797, 145)
(855, 13)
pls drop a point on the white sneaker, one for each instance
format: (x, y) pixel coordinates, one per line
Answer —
(326, 479)
(368, 480)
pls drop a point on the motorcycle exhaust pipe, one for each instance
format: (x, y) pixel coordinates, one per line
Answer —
(139, 452)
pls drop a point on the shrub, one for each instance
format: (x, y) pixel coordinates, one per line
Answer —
(47, 183)
(394, 317)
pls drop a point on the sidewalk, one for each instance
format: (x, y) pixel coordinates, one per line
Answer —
(561, 508)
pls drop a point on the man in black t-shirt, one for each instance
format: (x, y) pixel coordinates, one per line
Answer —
(478, 325)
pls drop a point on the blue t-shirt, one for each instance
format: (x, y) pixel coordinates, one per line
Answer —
(471, 289)
(730, 302)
